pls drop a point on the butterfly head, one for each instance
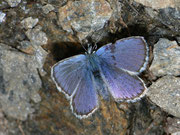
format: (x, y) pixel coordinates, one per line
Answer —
(91, 49)
(89, 45)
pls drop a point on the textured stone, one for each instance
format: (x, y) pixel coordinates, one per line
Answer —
(29, 23)
(26, 47)
(167, 13)
(39, 57)
(170, 18)
(178, 40)
(84, 16)
(159, 3)
(3, 124)
(176, 133)
(47, 8)
(36, 36)
(13, 3)
(165, 92)
(166, 58)
(20, 81)
(55, 111)
(173, 126)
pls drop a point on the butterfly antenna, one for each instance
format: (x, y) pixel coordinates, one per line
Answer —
(90, 48)
(84, 47)
(83, 43)
(95, 46)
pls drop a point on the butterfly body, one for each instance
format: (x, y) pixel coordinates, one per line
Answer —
(92, 62)
(115, 65)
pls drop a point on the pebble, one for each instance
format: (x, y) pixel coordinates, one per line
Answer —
(20, 81)
(166, 58)
(13, 3)
(47, 8)
(84, 17)
(29, 23)
(165, 93)
(36, 36)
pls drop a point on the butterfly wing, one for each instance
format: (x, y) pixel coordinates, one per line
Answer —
(85, 100)
(73, 77)
(130, 54)
(122, 85)
(66, 74)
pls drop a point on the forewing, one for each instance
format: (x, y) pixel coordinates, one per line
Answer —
(73, 77)
(122, 85)
(85, 100)
(68, 73)
(130, 54)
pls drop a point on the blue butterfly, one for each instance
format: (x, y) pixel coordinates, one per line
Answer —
(117, 65)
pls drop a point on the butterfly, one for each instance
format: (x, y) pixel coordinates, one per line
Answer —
(117, 64)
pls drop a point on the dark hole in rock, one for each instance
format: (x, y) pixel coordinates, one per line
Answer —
(63, 50)
(132, 30)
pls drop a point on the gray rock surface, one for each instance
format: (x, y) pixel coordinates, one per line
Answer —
(91, 17)
(47, 8)
(166, 58)
(173, 126)
(19, 82)
(26, 47)
(170, 17)
(167, 13)
(13, 3)
(178, 40)
(3, 124)
(36, 36)
(159, 3)
(29, 23)
(165, 92)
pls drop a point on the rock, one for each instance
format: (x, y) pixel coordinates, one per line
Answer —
(36, 36)
(3, 124)
(159, 3)
(19, 82)
(178, 40)
(152, 13)
(26, 47)
(167, 13)
(108, 120)
(170, 18)
(166, 58)
(176, 133)
(13, 3)
(38, 52)
(3, 5)
(92, 16)
(39, 56)
(2, 17)
(29, 23)
(173, 126)
(165, 92)
(47, 8)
